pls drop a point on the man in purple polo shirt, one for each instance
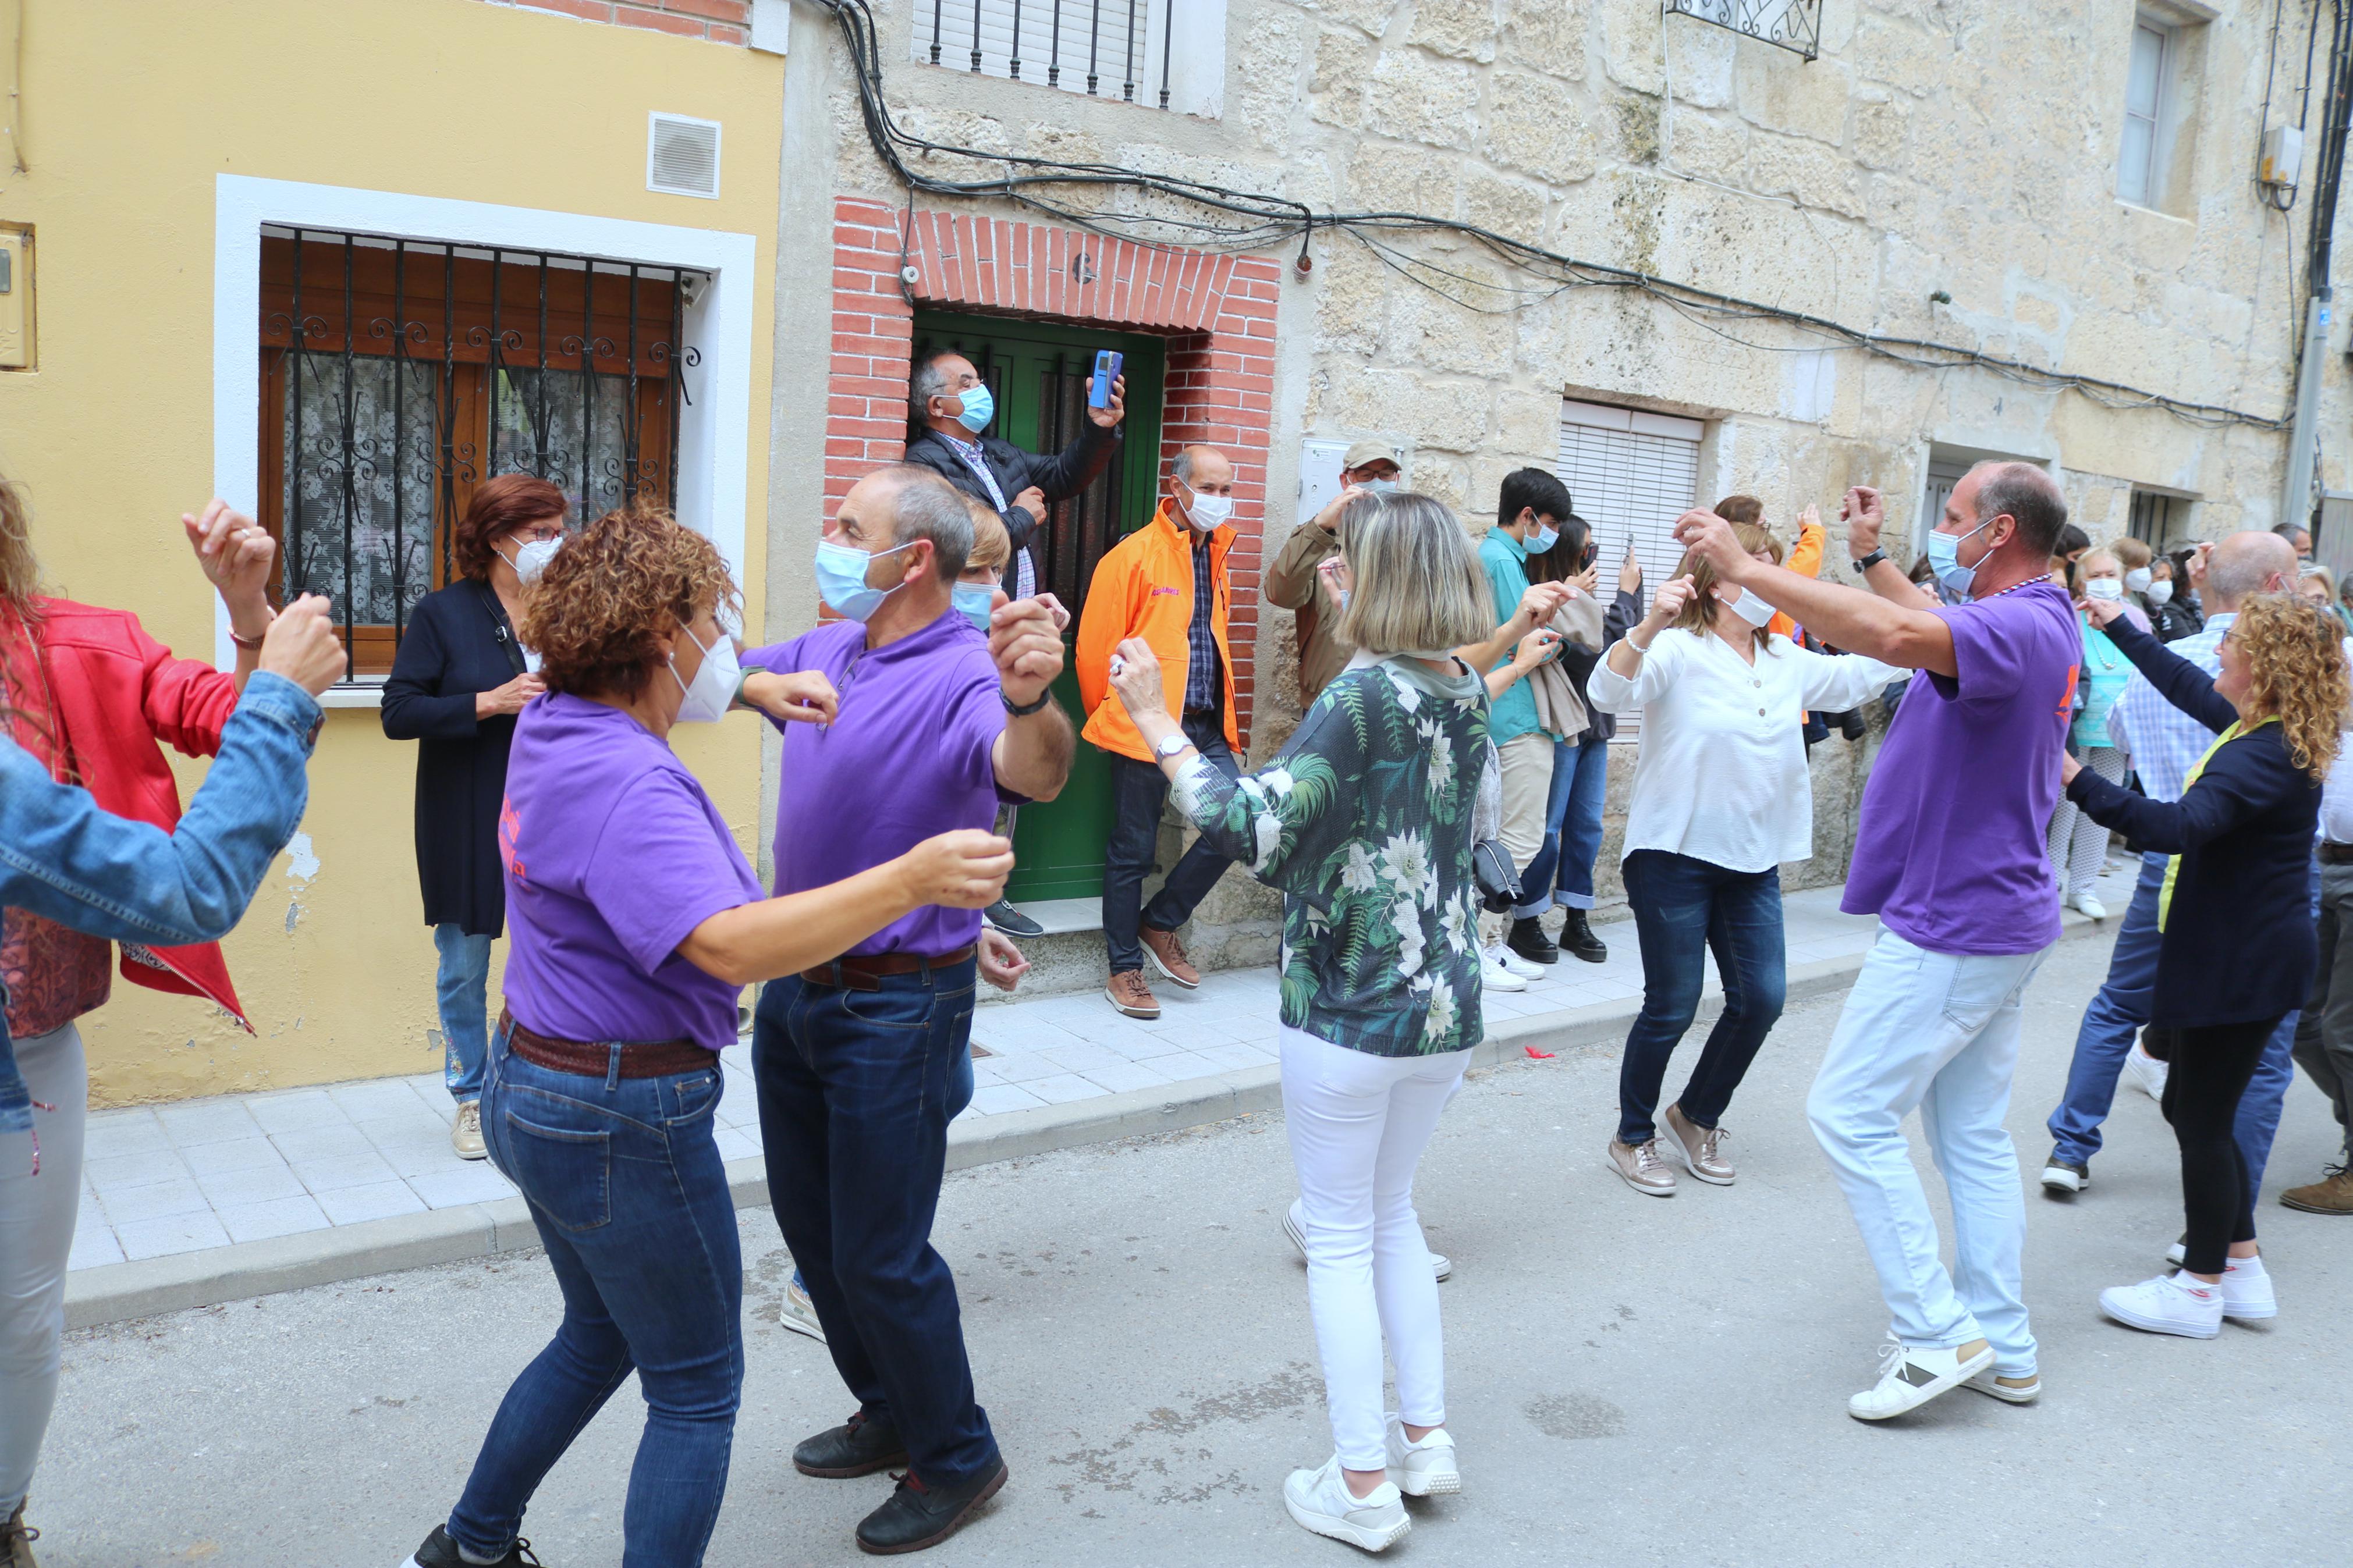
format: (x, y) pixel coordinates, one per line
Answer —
(935, 724)
(1950, 855)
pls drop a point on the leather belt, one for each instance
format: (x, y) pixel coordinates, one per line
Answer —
(2335, 854)
(659, 1059)
(866, 972)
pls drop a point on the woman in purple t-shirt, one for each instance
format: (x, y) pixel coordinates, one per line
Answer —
(636, 923)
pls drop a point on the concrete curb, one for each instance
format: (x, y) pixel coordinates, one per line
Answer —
(117, 1291)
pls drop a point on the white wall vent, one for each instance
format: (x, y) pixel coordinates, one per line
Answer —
(682, 155)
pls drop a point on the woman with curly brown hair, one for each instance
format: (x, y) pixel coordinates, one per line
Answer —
(2237, 947)
(636, 924)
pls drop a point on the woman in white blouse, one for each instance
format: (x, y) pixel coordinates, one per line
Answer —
(1721, 799)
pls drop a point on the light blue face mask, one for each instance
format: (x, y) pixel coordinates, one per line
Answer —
(1383, 486)
(1542, 540)
(1944, 558)
(979, 408)
(841, 580)
(975, 601)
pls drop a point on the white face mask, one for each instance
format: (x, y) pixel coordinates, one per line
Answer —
(1750, 606)
(1207, 513)
(2104, 588)
(2161, 591)
(531, 556)
(2137, 580)
(707, 698)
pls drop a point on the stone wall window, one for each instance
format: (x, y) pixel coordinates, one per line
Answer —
(2156, 151)
(1150, 52)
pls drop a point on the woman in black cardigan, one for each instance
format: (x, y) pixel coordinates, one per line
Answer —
(2237, 948)
(457, 683)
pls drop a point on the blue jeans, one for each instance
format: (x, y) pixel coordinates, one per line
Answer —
(630, 1198)
(959, 1096)
(1580, 778)
(1683, 908)
(462, 987)
(855, 1093)
(2120, 1010)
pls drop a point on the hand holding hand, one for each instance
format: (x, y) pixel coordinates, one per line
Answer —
(804, 697)
(234, 552)
(1026, 646)
(961, 870)
(1135, 676)
(1535, 648)
(1629, 573)
(1001, 964)
(1108, 417)
(507, 699)
(301, 646)
(1054, 609)
(1033, 502)
(1866, 515)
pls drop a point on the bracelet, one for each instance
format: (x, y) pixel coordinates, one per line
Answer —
(1866, 562)
(253, 645)
(1021, 712)
(741, 681)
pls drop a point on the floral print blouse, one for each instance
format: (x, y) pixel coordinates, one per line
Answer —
(1366, 822)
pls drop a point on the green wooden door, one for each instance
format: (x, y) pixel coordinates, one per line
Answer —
(1037, 373)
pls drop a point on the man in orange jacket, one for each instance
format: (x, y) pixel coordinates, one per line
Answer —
(1165, 582)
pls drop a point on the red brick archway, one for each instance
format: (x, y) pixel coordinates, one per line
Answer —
(1217, 312)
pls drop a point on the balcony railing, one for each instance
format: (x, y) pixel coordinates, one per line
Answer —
(1792, 24)
(1135, 51)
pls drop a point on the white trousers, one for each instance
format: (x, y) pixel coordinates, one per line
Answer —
(1359, 1125)
(1939, 1031)
(36, 1229)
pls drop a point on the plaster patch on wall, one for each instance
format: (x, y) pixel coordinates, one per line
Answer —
(302, 866)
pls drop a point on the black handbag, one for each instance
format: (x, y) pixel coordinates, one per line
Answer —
(1491, 869)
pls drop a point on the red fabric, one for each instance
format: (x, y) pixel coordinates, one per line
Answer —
(102, 670)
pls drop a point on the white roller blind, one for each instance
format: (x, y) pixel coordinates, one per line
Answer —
(1631, 475)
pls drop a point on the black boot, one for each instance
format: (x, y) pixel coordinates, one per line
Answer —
(918, 1516)
(1528, 940)
(856, 1447)
(1850, 724)
(1576, 936)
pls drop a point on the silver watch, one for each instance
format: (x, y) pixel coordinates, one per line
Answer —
(1171, 744)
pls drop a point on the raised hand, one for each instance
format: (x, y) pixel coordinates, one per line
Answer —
(963, 871)
(803, 697)
(2101, 611)
(1539, 603)
(303, 646)
(1673, 595)
(1108, 417)
(1865, 514)
(1702, 530)
(235, 553)
(1629, 573)
(1026, 647)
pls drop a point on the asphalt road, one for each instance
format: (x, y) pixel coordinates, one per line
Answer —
(1635, 1382)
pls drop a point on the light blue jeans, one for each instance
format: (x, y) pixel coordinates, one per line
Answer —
(1939, 1031)
(462, 986)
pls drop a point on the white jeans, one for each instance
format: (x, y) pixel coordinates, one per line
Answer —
(1359, 1125)
(1939, 1031)
(37, 1227)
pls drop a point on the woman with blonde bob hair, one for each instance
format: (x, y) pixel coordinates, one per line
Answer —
(1722, 797)
(2237, 946)
(1366, 821)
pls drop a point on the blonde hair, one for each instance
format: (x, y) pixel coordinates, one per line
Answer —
(1699, 613)
(1417, 584)
(2295, 673)
(20, 570)
(992, 547)
(2131, 553)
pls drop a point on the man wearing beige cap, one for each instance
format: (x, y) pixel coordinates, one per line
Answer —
(1367, 467)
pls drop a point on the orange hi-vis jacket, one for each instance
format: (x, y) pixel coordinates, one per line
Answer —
(1806, 560)
(1144, 587)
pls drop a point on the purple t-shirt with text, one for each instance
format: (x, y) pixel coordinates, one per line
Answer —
(906, 758)
(613, 853)
(1949, 847)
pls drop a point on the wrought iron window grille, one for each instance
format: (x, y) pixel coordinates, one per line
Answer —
(398, 373)
(1112, 37)
(1792, 24)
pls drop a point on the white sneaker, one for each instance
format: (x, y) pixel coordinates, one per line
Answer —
(2008, 1390)
(2247, 1293)
(2059, 1176)
(1294, 1226)
(1503, 955)
(1320, 1500)
(466, 1132)
(2170, 1304)
(2090, 905)
(1911, 1376)
(1426, 1468)
(800, 1314)
(1493, 975)
(2147, 1072)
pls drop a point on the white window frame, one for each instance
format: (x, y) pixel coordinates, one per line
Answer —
(715, 432)
(2159, 119)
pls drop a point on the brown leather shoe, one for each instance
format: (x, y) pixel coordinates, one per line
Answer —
(17, 1539)
(1128, 993)
(1168, 955)
(2333, 1194)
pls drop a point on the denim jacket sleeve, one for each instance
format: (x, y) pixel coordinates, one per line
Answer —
(64, 859)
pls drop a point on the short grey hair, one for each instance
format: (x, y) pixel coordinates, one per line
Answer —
(2242, 564)
(925, 506)
(929, 382)
(1181, 465)
(1418, 586)
(2030, 497)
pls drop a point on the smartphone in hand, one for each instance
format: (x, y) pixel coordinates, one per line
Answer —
(1107, 364)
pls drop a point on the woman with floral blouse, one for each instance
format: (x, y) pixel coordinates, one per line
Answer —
(1366, 822)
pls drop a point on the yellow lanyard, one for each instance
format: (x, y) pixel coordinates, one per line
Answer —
(2173, 863)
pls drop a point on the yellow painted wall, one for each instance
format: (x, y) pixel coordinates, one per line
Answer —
(130, 111)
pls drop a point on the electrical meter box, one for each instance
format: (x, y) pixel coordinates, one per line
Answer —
(16, 297)
(2283, 157)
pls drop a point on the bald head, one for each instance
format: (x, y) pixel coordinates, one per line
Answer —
(1206, 466)
(2247, 564)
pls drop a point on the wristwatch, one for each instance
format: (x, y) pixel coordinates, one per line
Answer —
(1019, 711)
(1171, 744)
(1866, 562)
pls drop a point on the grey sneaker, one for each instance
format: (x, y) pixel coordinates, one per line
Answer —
(1639, 1165)
(466, 1132)
(1699, 1150)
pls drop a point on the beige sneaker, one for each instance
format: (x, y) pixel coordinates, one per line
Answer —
(1168, 955)
(1640, 1167)
(466, 1132)
(1129, 994)
(17, 1539)
(1700, 1149)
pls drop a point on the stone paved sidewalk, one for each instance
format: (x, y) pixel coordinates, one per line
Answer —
(197, 1174)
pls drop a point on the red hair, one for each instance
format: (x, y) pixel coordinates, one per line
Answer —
(509, 502)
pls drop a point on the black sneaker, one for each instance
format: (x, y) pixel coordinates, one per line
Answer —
(1576, 936)
(1528, 940)
(856, 1447)
(1004, 917)
(440, 1552)
(918, 1516)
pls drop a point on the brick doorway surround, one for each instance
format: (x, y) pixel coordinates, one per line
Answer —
(1217, 312)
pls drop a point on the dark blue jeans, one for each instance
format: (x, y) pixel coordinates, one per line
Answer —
(1138, 792)
(856, 1091)
(1563, 869)
(630, 1198)
(1683, 910)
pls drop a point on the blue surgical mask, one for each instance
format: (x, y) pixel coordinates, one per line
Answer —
(1383, 486)
(1944, 559)
(841, 580)
(979, 408)
(975, 601)
(1542, 540)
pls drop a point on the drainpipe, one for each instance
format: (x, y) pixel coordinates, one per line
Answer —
(2304, 439)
